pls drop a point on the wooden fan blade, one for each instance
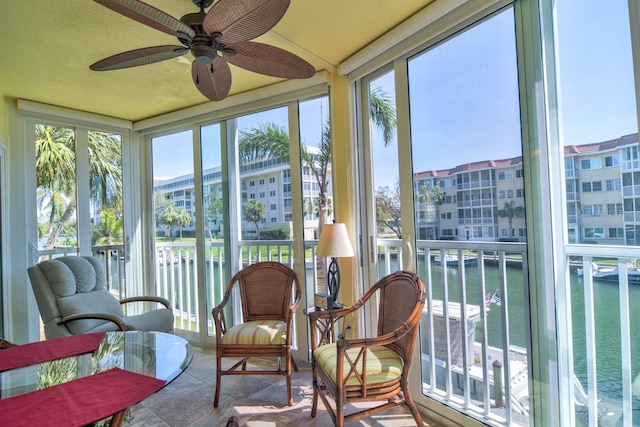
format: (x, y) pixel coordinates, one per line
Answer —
(213, 81)
(242, 20)
(149, 15)
(269, 60)
(133, 58)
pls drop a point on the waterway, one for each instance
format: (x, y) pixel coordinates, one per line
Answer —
(608, 354)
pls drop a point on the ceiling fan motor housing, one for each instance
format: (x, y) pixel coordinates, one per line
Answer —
(202, 50)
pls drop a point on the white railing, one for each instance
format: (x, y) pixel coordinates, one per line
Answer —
(176, 279)
(462, 373)
(176, 273)
(469, 371)
(611, 290)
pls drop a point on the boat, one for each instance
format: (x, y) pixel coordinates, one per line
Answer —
(611, 273)
(594, 269)
(453, 260)
(479, 371)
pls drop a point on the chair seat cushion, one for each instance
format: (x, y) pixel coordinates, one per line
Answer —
(99, 301)
(383, 364)
(261, 332)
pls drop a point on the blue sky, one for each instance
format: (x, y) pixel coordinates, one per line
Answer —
(464, 95)
(598, 101)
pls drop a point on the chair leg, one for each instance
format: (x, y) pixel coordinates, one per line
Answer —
(339, 409)
(288, 363)
(413, 408)
(314, 400)
(340, 415)
(218, 381)
(289, 392)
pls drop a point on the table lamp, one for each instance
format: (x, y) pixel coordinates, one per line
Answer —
(334, 242)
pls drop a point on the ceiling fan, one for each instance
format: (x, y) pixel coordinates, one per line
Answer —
(215, 38)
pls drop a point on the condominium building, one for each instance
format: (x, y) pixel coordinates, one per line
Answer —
(266, 180)
(484, 200)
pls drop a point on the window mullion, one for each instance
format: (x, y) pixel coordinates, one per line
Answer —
(83, 191)
(551, 384)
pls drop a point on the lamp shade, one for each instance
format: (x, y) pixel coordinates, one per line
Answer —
(334, 241)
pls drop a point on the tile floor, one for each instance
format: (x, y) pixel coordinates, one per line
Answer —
(257, 401)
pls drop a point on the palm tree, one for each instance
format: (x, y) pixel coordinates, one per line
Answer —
(213, 208)
(270, 141)
(105, 169)
(432, 197)
(388, 210)
(509, 211)
(56, 176)
(173, 216)
(267, 140)
(319, 166)
(110, 229)
(254, 211)
(383, 114)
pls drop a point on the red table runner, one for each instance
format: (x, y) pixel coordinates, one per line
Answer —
(45, 351)
(79, 402)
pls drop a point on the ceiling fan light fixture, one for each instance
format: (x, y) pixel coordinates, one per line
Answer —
(203, 52)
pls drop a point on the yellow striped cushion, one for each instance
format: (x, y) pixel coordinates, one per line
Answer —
(383, 364)
(257, 332)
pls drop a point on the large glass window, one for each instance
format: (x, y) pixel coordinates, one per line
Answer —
(463, 98)
(385, 173)
(106, 210)
(246, 183)
(56, 185)
(264, 155)
(174, 214)
(79, 196)
(317, 192)
(597, 105)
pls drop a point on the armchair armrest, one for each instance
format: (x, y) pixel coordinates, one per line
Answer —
(159, 300)
(326, 314)
(323, 322)
(104, 316)
(219, 319)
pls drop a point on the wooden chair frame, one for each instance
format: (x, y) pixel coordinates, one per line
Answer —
(268, 291)
(401, 301)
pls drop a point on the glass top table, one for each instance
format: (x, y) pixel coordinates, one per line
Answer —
(154, 354)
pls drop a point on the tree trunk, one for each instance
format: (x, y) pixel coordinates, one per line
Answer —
(66, 216)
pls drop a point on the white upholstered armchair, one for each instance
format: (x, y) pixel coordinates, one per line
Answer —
(73, 299)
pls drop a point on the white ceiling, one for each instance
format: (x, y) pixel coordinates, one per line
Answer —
(48, 45)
